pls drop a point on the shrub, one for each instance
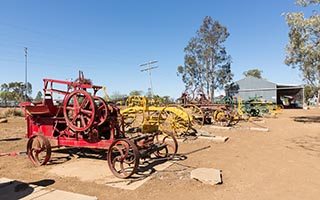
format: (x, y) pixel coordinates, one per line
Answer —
(12, 112)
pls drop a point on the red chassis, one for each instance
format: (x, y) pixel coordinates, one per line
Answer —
(83, 119)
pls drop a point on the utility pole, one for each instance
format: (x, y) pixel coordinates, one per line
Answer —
(26, 73)
(148, 68)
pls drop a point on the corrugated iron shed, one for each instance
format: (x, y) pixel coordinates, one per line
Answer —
(250, 87)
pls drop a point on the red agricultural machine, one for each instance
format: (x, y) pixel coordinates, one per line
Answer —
(83, 119)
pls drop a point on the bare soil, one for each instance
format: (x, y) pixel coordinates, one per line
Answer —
(283, 163)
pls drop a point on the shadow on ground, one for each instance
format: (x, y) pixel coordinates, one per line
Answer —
(309, 143)
(307, 119)
(18, 190)
(9, 139)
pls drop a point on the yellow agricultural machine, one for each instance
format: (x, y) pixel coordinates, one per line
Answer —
(143, 114)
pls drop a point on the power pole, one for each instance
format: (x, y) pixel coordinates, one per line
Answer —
(148, 68)
(26, 73)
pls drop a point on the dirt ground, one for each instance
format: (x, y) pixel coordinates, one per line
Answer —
(283, 163)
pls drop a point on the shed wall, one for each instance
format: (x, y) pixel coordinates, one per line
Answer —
(250, 87)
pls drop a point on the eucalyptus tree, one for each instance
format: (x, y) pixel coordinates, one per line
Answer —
(207, 66)
(303, 49)
(136, 93)
(15, 91)
(253, 72)
(38, 97)
(5, 94)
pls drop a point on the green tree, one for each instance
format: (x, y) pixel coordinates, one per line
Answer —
(136, 93)
(149, 93)
(207, 66)
(253, 72)
(116, 96)
(303, 49)
(309, 92)
(38, 97)
(5, 94)
(15, 91)
(167, 100)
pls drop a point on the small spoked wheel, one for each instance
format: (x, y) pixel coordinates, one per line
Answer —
(235, 118)
(170, 142)
(222, 118)
(123, 158)
(79, 110)
(39, 150)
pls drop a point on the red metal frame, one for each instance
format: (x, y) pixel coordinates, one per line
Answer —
(47, 119)
(84, 120)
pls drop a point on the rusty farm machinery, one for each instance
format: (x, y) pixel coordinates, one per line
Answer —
(228, 111)
(206, 112)
(182, 118)
(141, 113)
(82, 119)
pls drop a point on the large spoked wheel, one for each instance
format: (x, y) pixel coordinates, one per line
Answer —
(171, 145)
(174, 119)
(196, 115)
(39, 150)
(102, 109)
(79, 110)
(123, 158)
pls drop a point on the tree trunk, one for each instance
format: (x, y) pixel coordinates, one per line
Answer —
(317, 104)
(212, 79)
(212, 94)
(212, 90)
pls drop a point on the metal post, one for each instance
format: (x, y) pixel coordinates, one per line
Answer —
(149, 68)
(26, 73)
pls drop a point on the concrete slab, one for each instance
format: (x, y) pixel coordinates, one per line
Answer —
(221, 127)
(83, 169)
(137, 180)
(205, 135)
(215, 138)
(97, 171)
(3, 120)
(261, 129)
(207, 175)
(13, 190)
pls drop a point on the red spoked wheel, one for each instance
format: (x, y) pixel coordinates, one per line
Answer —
(170, 142)
(79, 110)
(102, 109)
(39, 150)
(123, 158)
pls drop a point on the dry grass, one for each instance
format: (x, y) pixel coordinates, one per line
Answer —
(10, 112)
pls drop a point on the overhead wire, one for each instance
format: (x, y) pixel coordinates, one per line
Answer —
(95, 53)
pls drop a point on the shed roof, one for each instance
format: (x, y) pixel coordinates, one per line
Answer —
(253, 79)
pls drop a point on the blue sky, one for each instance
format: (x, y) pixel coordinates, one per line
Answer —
(108, 40)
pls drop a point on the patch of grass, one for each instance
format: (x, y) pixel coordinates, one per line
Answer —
(11, 112)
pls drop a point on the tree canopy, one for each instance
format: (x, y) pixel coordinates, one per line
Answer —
(15, 92)
(38, 97)
(207, 66)
(309, 92)
(253, 72)
(303, 49)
